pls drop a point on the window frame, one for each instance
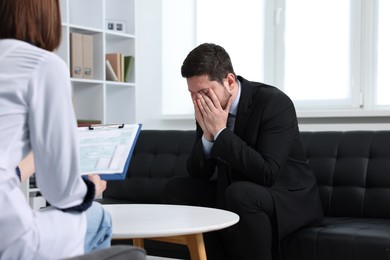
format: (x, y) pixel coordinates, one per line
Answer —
(363, 40)
(364, 19)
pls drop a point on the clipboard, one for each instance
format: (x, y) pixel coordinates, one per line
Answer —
(107, 149)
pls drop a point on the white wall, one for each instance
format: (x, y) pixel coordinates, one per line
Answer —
(149, 70)
(149, 82)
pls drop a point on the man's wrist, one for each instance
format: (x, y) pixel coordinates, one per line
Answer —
(207, 146)
(217, 134)
(208, 137)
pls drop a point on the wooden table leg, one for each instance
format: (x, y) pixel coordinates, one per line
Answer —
(196, 247)
(138, 242)
(194, 242)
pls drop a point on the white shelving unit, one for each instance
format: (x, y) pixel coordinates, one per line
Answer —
(98, 99)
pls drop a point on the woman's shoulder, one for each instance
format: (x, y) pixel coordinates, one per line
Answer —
(26, 53)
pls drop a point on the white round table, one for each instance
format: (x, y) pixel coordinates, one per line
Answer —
(169, 223)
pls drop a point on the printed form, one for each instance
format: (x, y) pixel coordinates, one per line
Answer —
(106, 149)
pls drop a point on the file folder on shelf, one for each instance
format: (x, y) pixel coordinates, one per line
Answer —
(107, 149)
(88, 56)
(76, 55)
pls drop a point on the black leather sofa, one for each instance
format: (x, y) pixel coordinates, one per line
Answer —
(352, 170)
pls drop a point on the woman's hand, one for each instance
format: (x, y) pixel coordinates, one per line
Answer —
(27, 167)
(100, 185)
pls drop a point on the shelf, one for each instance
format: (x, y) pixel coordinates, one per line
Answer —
(119, 84)
(84, 29)
(98, 99)
(86, 81)
(118, 35)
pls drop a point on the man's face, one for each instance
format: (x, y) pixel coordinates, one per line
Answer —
(202, 84)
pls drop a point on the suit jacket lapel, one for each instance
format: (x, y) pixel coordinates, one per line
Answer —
(244, 109)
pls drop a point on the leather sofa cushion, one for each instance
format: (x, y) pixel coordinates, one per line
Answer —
(340, 239)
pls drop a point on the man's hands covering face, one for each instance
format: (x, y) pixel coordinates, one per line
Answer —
(209, 113)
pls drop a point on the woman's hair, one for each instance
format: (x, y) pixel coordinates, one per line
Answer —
(34, 21)
(207, 59)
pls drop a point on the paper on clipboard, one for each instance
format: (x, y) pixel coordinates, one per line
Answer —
(107, 149)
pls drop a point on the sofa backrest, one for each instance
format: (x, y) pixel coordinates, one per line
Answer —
(157, 156)
(352, 170)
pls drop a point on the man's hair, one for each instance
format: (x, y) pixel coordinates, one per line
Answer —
(34, 21)
(207, 59)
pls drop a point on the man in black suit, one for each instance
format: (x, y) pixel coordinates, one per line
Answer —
(248, 158)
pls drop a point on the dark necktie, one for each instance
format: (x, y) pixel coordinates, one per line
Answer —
(230, 122)
(224, 169)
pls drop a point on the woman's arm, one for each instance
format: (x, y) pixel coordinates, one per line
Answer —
(27, 167)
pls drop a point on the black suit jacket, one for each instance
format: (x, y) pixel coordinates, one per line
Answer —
(266, 149)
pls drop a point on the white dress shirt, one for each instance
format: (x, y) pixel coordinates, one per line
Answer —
(36, 113)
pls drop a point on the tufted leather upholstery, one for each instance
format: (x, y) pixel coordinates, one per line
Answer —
(352, 171)
(158, 155)
(353, 174)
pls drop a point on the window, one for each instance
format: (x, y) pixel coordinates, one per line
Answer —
(383, 57)
(327, 55)
(332, 54)
(238, 27)
(316, 64)
(235, 25)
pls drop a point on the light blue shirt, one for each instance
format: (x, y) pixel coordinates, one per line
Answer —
(207, 145)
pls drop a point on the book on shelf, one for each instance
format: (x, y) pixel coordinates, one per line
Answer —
(122, 73)
(129, 68)
(119, 67)
(110, 73)
(115, 61)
